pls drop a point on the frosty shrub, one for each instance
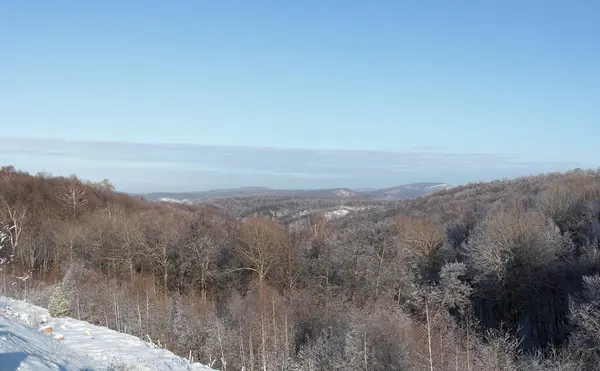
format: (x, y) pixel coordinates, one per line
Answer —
(58, 306)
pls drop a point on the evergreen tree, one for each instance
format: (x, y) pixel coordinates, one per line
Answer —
(58, 306)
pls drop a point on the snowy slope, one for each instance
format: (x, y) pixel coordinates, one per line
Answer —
(84, 346)
(23, 346)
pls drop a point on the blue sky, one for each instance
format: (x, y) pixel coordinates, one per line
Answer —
(203, 94)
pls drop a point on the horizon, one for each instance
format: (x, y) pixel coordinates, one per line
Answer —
(340, 94)
(288, 189)
(142, 168)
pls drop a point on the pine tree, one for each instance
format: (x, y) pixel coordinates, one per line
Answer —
(58, 306)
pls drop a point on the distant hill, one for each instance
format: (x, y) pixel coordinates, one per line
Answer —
(400, 192)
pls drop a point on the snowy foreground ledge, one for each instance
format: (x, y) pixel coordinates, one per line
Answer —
(26, 343)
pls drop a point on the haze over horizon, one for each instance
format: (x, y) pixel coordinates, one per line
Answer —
(145, 168)
(191, 96)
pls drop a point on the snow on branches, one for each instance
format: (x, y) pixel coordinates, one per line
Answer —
(4, 235)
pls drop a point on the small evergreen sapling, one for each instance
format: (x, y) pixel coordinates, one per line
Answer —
(58, 306)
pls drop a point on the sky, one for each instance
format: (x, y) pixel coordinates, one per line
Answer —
(192, 95)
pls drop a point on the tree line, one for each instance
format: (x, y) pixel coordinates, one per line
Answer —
(486, 276)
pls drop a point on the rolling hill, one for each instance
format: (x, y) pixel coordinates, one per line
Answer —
(399, 192)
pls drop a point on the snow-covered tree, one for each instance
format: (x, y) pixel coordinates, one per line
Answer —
(5, 257)
(3, 237)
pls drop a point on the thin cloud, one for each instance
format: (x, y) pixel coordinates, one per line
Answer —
(193, 167)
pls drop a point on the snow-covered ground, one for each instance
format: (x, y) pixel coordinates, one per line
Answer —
(26, 343)
(175, 200)
(341, 211)
(438, 187)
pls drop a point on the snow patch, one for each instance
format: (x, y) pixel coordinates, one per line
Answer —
(175, 200)
(340, 212)
(28, 342)
(343, 193)
(439, 186)
(336, 213)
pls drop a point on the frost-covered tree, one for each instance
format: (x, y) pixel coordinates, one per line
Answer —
(3, 237)
(5, 256)
(585, 316)
(520, 260)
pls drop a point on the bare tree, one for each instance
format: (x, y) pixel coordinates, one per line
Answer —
(128, 227)
(262, 241)
(421, 241)
(159, 240)
(68, 237)
(73, 197)
(14, 215)
(202, 247)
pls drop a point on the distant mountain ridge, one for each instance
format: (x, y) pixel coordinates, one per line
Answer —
(399, 192)
(405, 191)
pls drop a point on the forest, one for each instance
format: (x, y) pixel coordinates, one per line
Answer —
(503, 275)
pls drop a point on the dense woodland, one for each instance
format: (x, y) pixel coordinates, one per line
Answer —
(487, 276)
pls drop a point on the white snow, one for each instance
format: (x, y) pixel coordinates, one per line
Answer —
(336, 213)
(343, 193)
(340, 212)
(175, 200)
(440, 186)
(24, 345)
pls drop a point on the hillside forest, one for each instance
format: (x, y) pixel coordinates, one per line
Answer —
(491, 276)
